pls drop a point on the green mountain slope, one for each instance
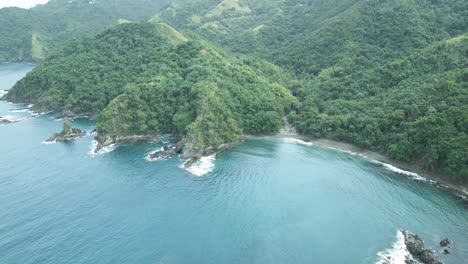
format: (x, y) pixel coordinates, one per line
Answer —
(309, 35)
(415, 108)
(387, 75)
(29, 34)
(374, 73)
(147, 79)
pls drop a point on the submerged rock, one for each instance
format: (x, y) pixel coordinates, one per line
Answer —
(68, 133)
(445, 242)
(417, 249)
(165, 153)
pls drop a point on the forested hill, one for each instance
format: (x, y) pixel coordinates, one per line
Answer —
(310, 35)
(388, 75)
(29, 34)
(149, 79)
(415, 108)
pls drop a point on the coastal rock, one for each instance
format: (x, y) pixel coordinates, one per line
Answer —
(445, 243)
(105, 140)
(68, 133)
(165, 153)
(4, 121)
(416, 248)
(188, 150)
(70, 114)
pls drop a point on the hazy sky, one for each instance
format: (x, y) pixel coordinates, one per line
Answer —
(21, 3)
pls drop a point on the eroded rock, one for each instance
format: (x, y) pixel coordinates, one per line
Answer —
(68, 133)
(417, 249)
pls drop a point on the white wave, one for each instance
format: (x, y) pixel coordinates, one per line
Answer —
(30, 105)
(387, 166)
(14, 118)
(25, 110)
(299, 141)
(350, 152)
(201, 167)
(413, 175)
(94, 152)
(398, 254)
(49, 143)
(148, 156)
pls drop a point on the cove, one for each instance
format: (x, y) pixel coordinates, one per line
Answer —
(265, 201)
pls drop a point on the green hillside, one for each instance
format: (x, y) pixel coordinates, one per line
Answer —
(387, 75)
(310, 35)
(415, 108)
(29, 34)
(148, 79)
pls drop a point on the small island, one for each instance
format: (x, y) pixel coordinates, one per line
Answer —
(68, 133)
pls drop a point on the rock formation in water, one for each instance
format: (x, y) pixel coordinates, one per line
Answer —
(4, 121)
(418, 250)
(68, 133)
(165, 153)
(445, 245)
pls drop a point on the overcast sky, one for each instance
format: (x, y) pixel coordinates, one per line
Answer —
(21, 3)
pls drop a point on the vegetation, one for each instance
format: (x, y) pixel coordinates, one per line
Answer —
(149, 79)
(387, 75)
(29, 34)
(415, 108)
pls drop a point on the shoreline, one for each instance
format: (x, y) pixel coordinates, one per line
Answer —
(459, 190)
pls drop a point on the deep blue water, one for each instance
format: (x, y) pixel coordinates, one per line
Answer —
(266, 201)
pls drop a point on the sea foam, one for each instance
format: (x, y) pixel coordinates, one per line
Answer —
(201, 167)
(25, 110)
(148, 156)
(49, 142)
(398, 254)
(299, 141)
(94, 152)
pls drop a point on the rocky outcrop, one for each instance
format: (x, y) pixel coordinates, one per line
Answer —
(417, 249)
(107, 140)
(68, 133)
(165, 153)
(72, 115)
(445, 244)
(4, 121)
(189, 151)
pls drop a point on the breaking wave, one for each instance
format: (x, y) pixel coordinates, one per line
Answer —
(299, 141)
(148, 156)
(201, 167)
(397, 254)
(49, 143)
(94, 152)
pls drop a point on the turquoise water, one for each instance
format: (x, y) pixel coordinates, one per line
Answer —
(266, 201)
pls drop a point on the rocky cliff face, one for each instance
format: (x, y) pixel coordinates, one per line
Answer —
(68, 133)
(418, 250)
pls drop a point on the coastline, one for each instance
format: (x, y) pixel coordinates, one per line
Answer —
(458, 189)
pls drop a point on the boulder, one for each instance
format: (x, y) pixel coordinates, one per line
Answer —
(165, 153)
(445, 243)
(68, 133)
(4, 121)
(417, 249)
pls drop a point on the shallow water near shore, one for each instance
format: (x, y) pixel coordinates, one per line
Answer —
(265, 201)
